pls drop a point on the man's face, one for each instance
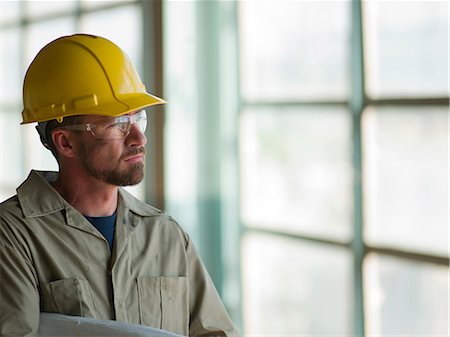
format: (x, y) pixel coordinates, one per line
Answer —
(118, 162)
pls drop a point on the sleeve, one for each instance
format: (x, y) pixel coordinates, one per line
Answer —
(19, 295)
(208, 316)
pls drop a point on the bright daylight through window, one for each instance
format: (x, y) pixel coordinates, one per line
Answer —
(305, 149)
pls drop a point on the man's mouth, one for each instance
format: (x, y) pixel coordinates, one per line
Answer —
(135, 156)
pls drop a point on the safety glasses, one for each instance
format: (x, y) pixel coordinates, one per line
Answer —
(108, 128)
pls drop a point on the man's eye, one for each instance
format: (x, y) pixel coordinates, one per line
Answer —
(116, 124)
(121, 125)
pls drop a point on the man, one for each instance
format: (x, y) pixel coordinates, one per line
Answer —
(75, 242)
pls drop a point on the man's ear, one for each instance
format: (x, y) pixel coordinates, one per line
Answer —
(64, 142)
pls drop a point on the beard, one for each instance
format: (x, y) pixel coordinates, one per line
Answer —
(110, 173)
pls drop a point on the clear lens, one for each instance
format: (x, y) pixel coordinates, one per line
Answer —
(140, 119)
(114, 128)
(110, 130)
(120, 127)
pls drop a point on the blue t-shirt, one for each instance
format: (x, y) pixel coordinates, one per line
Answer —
(105, 225)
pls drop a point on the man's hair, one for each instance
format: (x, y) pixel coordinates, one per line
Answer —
(46, 129)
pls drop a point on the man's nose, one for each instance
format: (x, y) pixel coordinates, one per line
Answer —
(136, 137)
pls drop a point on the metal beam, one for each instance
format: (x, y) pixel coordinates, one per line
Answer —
(208, 138)
(153, 78)
(357, 106)
(413, 256)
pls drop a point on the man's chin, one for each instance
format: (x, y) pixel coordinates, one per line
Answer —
(132, 182)
(132, 176)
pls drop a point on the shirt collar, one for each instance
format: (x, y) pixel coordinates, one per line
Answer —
(135, 205)
(37, 197)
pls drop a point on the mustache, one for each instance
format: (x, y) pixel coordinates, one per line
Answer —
(133, 152)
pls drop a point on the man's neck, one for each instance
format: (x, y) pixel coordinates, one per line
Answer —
(89, 196)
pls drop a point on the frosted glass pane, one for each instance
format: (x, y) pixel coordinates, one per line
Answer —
(406, 178)
(295, 288)
(10, 11)
(405, 298)
(406, 48)
(10, 63)
(296, 171)
(35, 8)
(20, 152)
(41, 33)
(11, 169)
(101, 3)
(294, 49)
(181, 116)
(122, 25)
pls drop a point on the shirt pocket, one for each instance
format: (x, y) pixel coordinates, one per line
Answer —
(70, 296)
(164, 303)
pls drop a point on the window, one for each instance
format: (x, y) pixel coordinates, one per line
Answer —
(344, 167)
(316, 134)
(306, 150)
(296, 167)
(405, 160)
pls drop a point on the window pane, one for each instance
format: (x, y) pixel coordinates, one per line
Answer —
(122, 25)
(181, 116)
(406, 178)
(36, 8)
(10, 11)
(21, 145)
(101, 3)
(10, 60)
(11, 170)
(406, 55)
(41, 33)
(292, 288)
(294, 49)
(406, 298)
(296, 170)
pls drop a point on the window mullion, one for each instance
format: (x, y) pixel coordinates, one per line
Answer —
(357, 105)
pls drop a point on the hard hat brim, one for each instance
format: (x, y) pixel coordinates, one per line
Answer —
(125, 105)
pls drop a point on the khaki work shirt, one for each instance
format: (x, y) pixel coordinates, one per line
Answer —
(54, 260)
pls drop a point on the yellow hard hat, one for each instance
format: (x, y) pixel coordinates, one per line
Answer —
(82, 75)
